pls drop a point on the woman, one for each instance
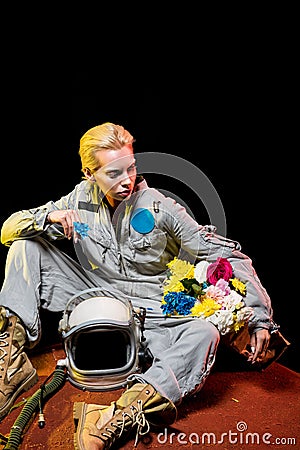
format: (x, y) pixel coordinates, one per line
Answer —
(131, 233)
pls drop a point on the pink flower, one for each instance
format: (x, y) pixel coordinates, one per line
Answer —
(215, 293)
(218, 291)
(223, 285)
(219, 269)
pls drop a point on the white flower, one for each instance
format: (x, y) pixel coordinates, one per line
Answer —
(200, 271)
(223, 319)
(233, 300)
(244, 314)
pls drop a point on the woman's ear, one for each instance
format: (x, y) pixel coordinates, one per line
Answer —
(89, 175)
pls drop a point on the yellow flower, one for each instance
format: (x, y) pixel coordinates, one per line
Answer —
(239, 305)
(206, 307)
(181, 269)
(238, 325)
(238, 285)
(173, 284)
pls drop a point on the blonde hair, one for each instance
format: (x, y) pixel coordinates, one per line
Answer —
(107, 136)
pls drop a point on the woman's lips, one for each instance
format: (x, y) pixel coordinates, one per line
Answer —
(124, 193)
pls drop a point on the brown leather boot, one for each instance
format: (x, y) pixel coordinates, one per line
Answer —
(16, 371)
(98, 427)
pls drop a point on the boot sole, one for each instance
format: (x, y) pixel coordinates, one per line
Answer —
(25, 386)
(78, 411)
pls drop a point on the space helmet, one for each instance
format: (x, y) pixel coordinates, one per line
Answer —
(103, 340)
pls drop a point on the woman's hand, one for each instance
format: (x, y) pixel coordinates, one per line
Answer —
(259, 342)
(65, 217)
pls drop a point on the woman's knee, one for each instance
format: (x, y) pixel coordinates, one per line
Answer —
(204, 330)
(23, 245)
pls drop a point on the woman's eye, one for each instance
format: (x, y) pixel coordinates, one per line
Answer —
(113, 174)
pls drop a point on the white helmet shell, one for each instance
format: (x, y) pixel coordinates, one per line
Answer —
(102, 340)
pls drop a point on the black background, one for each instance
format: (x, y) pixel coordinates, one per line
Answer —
(233, 116)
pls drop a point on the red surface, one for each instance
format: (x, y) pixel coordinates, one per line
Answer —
(266, 403)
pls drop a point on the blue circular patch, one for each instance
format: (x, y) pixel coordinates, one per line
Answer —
(142, 220)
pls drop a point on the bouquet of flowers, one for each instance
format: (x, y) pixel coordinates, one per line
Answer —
(206, 290)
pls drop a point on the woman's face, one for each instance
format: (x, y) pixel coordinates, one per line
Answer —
(116, 174)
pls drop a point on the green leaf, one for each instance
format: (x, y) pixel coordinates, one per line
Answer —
(197, 288)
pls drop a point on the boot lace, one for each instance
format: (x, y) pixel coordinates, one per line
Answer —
(136, 417)
(3, 352)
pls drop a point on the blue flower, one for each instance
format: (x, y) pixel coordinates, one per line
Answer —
(81, 228)
(177, 302)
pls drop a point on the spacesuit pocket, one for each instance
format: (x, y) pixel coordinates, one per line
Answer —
(99, 236)
(147, 247)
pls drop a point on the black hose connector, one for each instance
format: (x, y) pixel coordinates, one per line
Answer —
(34, 402)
